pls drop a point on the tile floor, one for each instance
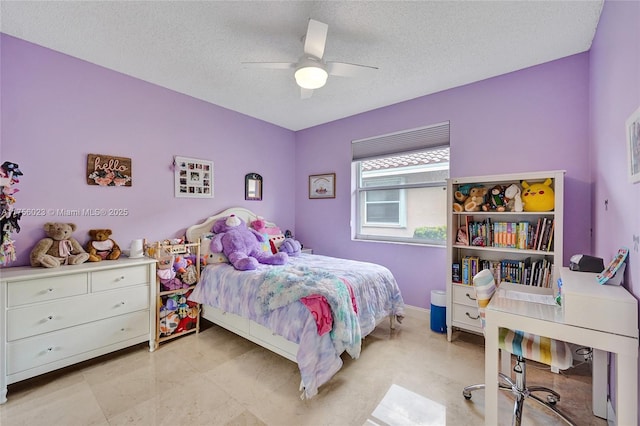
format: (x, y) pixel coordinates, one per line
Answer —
(403, 377)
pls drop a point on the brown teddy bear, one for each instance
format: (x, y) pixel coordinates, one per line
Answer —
(59, 248)
(476, 199)
(101, 247)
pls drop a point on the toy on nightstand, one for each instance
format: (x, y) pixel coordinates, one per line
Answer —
(538, 197)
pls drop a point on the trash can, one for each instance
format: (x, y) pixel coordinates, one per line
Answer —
(439, 311)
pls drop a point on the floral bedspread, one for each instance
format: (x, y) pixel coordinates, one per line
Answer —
(375, 289)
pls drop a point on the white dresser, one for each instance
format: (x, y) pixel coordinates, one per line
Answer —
(55, 317)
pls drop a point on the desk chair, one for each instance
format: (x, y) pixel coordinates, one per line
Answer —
(524, 346)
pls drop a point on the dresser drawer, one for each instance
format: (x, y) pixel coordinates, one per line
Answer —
(47, 348)
(466, 314)
(464, 295)
(46, 317)
(121, 277)
(44, 289)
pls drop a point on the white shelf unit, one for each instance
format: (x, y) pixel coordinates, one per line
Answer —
(462, 312)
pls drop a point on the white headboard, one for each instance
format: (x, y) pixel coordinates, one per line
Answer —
(196, 231)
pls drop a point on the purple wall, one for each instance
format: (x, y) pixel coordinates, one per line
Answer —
(531, 120)
(57, 109)
(614, 95)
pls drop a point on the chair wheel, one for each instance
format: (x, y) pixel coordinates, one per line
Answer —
(551, 399)
(467, 395)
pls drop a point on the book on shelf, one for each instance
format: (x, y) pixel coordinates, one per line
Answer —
(550, 243)
(455, 273)
(468, 219)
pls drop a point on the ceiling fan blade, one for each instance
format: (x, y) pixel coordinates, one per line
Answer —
(343, 69)
(305, 93)
(272, 65)
(316, 38)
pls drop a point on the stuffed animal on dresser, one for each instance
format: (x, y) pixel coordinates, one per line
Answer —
(101, 247)
(58, 248)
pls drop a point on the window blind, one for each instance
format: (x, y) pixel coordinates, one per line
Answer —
(400, 142)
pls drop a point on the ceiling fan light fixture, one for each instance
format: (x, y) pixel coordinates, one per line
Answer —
(311, 76)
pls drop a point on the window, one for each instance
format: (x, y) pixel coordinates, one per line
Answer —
(400, 186)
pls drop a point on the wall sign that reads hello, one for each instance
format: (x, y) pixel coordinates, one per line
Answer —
(107, 170)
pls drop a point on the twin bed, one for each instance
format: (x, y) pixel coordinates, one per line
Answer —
(266, 305)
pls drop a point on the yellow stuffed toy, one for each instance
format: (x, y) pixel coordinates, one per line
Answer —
(538, 197)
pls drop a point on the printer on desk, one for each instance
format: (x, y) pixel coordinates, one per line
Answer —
(586, 263)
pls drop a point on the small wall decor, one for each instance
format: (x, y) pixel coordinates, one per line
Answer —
(253, 187)
(633, 146)
(9, 173)
(107, 170)
(193, 178)
(322, 186)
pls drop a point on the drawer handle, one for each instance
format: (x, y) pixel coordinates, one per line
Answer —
(50, 317)
(50, 289)
(50, 349)
(120, 278)
(122, 303)
(470, 298)
(122, 329)
(473, 318)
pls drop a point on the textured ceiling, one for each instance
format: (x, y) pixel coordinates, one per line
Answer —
(196, 48)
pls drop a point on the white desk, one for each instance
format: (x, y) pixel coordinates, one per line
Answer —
(547, 320)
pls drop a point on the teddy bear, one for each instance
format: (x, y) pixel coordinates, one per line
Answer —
(101, 247)
(475, 200)
(241, 244)
(460, 195)
(58, 248)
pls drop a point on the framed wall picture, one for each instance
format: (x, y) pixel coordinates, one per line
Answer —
(633, 146)
(322, 186)
(193, 178)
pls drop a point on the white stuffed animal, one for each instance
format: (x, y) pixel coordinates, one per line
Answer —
(512, 193)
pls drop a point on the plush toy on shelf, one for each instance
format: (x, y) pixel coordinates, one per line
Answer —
(496, 200)
(476, 199)
(242, 245)
(167, 274)
(101, 247)
(59, 247)
(538, 197)
(513, 199)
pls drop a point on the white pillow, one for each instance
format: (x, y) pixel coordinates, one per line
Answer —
(205, 251)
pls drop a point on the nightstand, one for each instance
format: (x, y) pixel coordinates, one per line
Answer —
(307, 250)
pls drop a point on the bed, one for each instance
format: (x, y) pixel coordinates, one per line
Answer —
(266, 305)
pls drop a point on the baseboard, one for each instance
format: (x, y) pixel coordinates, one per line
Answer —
(611, 414)
(416, 312)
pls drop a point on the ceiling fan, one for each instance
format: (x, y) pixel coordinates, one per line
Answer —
(311, 71)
